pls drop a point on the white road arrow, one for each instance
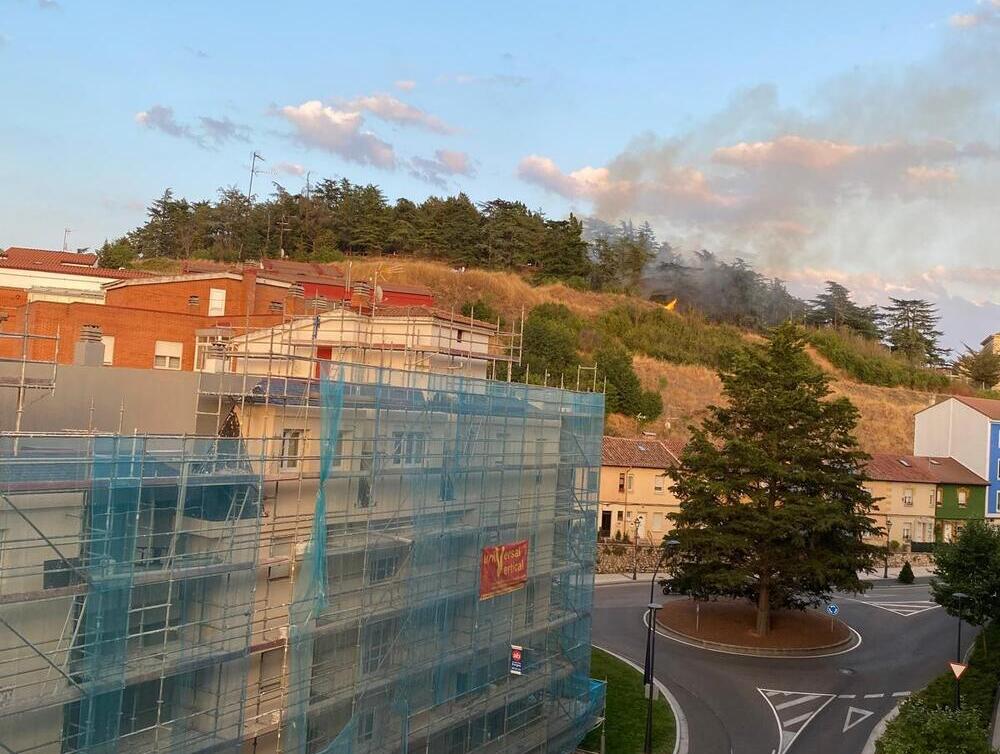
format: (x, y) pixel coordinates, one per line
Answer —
(854, 717)
(793, 711)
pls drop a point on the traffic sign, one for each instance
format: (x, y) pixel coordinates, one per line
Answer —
(832, 609)
(957, 668)
(516, 659)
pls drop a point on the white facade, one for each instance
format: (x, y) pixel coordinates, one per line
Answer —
(15, 278)
(954, 429)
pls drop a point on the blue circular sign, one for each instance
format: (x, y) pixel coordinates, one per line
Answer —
(832, 609)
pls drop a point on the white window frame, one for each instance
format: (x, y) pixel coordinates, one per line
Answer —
(659, 484)
(907, 533)
(109, 349)
(908, 497)
(171, 352)
(292, 440)
(962, 497)
(630, 483)
(408, 448)
(657, 521)
(216, 302)
(202, 347)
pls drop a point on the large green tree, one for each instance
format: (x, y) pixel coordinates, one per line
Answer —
(982, 367)
(971, 565)
(835, 308)
(911, 331)
(772, 505)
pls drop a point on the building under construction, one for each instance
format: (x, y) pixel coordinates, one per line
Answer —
(367, 547)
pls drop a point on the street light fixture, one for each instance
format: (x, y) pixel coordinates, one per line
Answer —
(669, 548)
(958, 648)
(637, 522)
(888, 545)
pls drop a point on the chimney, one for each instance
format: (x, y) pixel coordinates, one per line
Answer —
(89, 350)
(215, 358)
(194, 302)
(249, 289)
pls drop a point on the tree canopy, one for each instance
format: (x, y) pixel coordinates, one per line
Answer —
(834, 308)
(981, 367)
(971, 565)
(772, 506)
(911, 331)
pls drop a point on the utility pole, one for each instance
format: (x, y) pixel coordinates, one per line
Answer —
(253, 170)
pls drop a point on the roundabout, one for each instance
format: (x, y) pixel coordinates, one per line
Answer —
(729, 626)
(808, 701)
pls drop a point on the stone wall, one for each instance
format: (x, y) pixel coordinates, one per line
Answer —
(614, 557)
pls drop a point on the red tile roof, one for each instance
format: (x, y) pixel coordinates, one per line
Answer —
(65, 269)
(640, 454)
(889, 467)
(985, 406)
(45, 256)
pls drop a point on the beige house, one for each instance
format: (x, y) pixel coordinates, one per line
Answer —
(635, 497)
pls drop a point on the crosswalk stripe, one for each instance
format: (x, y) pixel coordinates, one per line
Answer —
(787, 724)
(793, 702)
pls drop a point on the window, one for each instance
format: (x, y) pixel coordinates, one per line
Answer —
(998, 468)
(906, 532)
(281, 547)
(963, 498)
(270, 669)
(383, 567)
(203, 347)
(631, 482)
(908, 497)
(621, 516)
(459, 335)
(291, 448)
(167, 355)
(109, 349)
(938, 496)
(342, 450)
(408, 448)
(366, 726)
(379, 640)
(216, 302)
(593, 478)
(657, 521)
(621, 482)
(658, 484)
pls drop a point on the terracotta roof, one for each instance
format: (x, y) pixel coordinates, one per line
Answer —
(65, 269)
(291, 267)
(985, 406)
(889, 467)
(46, 256)
(641, 454)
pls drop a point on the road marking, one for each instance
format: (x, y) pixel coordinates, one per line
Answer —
(898, 694)
(905, 609)
(846, 696)
(874, 696)
(854, 717)
(793, 711)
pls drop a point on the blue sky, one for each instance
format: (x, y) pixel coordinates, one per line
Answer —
(854, 140)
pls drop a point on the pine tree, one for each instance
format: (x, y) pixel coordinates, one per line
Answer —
(834, 308)
(772, 506)
(981, 367)
(911, 331)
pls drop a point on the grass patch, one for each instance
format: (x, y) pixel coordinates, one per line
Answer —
(872, 363)
(625, 726)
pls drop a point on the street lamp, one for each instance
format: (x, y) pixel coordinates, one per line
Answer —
(958, 648)
(668, 549)
(888, 545)
(635, 546)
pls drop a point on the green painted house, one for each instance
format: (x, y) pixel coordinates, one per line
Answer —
(957, 504)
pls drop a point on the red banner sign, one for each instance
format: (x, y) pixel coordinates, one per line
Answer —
(503, 569)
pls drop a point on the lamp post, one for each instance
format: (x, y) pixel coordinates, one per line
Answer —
(668, 549)
(888, 545)
(636, 522)
(958, 649)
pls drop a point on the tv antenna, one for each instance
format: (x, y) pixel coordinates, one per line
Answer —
(66, 232)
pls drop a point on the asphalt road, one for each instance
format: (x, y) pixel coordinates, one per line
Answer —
(819, 705)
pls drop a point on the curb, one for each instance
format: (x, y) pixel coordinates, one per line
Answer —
(878, 730)
(738, 649)
(682, 742)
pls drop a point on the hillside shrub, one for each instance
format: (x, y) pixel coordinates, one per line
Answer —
(922, 729)
(669, 336)
(624, 393)
(872, 363)
(905, 573)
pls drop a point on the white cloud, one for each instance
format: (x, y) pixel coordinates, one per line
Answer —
(388, 108)
(988, 13)
(406, 85)
(211, 134)
(340, 132)
(289, 168)
(48, 4)
(445, 163)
